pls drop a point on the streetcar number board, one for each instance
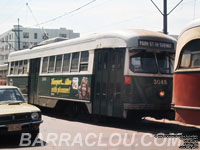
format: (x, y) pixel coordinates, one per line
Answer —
(155, 44)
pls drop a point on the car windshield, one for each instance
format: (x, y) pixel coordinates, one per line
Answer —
(8, 96)
(146, 62)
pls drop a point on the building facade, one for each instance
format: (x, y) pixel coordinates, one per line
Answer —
(19, 38)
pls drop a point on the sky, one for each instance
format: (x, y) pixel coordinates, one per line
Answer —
(98, 16)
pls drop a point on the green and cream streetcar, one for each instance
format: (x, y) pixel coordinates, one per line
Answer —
(126, 73)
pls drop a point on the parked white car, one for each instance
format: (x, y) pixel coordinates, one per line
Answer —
(16, 116)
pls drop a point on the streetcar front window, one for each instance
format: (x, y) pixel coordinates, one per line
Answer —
(195, 62)
(165, 63)
(149, 62)
(143, 63)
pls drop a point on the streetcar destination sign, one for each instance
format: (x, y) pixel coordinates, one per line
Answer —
(155, 44)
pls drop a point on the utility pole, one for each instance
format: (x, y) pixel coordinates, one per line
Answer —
(18, 35)
(165, 13)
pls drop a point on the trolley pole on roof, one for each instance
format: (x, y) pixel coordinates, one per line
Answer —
(165, 13)
(165, 17)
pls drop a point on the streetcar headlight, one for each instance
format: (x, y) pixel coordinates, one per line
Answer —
(35, 116)
(162, 93)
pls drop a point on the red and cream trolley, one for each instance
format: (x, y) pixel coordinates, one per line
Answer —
(186, 90)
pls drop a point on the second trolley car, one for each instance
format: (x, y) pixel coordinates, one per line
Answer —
(186, 95)
(126, 73)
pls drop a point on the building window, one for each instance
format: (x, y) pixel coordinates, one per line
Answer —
(25, 45)
(35, 35)
(9, 47)
(10, 36)
(63, 35)
(26, 35)
(6, 57)
(6, 47)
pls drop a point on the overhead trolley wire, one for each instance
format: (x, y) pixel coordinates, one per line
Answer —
(42, 30)
(67, 13)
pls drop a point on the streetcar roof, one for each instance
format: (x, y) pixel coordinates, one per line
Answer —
(115, 39)
(193, 24)
(190, 33)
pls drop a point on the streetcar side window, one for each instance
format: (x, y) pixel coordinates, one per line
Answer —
(58, 63)
(75, 62)
(16, 68)
(12, 68)
(45, 64)
(84, 61)
(20, 67)
(25, 67)
(137, 63)
(185, 61)
(51, 64)
(66, 62)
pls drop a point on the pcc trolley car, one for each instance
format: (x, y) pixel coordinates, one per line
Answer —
(186, 95)
(119, 74)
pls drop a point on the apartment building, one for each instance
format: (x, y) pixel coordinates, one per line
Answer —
(19, 38)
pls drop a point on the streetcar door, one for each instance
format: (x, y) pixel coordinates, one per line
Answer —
(33, 80)
(101, 82)
(108, 77)
(116, 83)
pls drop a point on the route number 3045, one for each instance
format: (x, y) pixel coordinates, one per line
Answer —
(159, 82)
